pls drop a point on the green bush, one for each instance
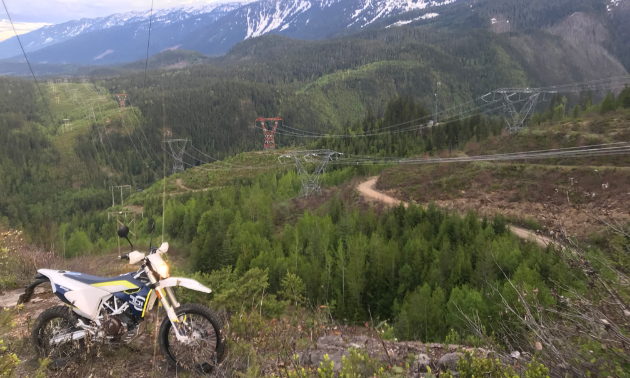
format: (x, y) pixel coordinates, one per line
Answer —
(78, 244)
(471, 366)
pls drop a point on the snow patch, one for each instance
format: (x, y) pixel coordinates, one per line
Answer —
(107, 52)
(373, 10)
(47, 40)
(612, 5)
(172, 47)
(267, 20)
(423, 17)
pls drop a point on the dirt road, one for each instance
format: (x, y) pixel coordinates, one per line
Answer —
(368, 190)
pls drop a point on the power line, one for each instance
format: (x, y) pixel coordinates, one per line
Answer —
(146, 62)
(579, 87)
(145, 138)
(29, 65)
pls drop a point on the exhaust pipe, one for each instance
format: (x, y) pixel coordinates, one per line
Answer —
(67, 337)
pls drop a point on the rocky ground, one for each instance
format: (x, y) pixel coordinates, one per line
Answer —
(434, 356)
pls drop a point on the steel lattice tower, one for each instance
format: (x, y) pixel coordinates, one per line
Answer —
(178, 153)
(516, 119)
(122, 97)
(311, 182)
(269, 134)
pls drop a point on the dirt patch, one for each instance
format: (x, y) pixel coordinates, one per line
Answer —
(553, 197)
(368, 190)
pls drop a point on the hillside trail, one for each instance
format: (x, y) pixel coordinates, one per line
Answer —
(368, 190)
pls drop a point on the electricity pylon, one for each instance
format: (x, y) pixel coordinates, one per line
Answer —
(515, 119)
(270, 143)
(177, 153)
(67, 126)
(311, 182)
(122, 97)
(92, 116)
(121, 187)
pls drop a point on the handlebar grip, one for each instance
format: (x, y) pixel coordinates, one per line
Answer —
(124, 257)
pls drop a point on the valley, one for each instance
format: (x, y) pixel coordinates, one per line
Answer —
(447, 191)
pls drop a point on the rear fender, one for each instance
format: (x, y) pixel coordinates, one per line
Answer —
(185, 282)
(30, 288)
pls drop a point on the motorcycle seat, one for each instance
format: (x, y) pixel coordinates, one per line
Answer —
(126, 280)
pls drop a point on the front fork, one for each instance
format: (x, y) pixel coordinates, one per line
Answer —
(170, 303)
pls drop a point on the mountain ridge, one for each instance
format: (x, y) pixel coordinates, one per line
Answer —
(211, 30)
(188, 17)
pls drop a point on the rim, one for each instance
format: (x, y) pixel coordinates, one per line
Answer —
(198, 354)
(53, 328)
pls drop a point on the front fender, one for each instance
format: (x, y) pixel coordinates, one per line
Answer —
(185, 282)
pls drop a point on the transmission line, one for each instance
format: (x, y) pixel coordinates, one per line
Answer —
(52, 119)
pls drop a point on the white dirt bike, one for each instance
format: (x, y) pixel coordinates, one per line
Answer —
(110, 310)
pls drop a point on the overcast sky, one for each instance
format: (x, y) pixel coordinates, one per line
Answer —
(32, 14)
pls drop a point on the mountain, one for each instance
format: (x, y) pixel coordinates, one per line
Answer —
(302, 19)
(116, 38)
(212, 29)
(591, 33)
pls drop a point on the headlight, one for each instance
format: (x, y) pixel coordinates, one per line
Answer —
(163, 271)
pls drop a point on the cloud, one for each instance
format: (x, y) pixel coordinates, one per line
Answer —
(6, 31)
(56, 11)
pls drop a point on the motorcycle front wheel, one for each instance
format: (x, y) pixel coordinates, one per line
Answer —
(205, 347)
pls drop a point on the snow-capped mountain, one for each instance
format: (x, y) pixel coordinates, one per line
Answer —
(305, 19)
(187, 18)
(211, 29)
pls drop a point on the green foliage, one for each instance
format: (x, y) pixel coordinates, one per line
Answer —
(470, 366)
(386, 331)
(7, 265)
(359, 364)
(608, 104)
(536, 370)
(8, 361)
(326, 368)
(78, 244)
(623, 101)
(248, 293)
(452, 337)
(293, 289)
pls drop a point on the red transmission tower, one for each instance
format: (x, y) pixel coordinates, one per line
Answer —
(269, 134)
(121, 99)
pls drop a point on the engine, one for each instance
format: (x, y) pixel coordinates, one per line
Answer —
(119, 324)
(113, 326)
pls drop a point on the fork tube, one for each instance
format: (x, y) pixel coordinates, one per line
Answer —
(171, 296)
(170, 311)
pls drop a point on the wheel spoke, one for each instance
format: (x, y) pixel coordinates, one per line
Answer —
(49, 331)
(199, 351)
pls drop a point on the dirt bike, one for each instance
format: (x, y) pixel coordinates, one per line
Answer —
(111, 310)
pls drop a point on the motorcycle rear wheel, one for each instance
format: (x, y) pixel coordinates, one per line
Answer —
(207, 346)
(53, 322)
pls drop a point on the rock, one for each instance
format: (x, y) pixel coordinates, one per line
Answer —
(330, 341)
(304, 358)
(448, 362)
(358, 342)
(420, 364)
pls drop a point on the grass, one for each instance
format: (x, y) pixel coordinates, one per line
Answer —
(243, 167)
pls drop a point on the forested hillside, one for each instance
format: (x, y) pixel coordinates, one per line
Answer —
(318, 86)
